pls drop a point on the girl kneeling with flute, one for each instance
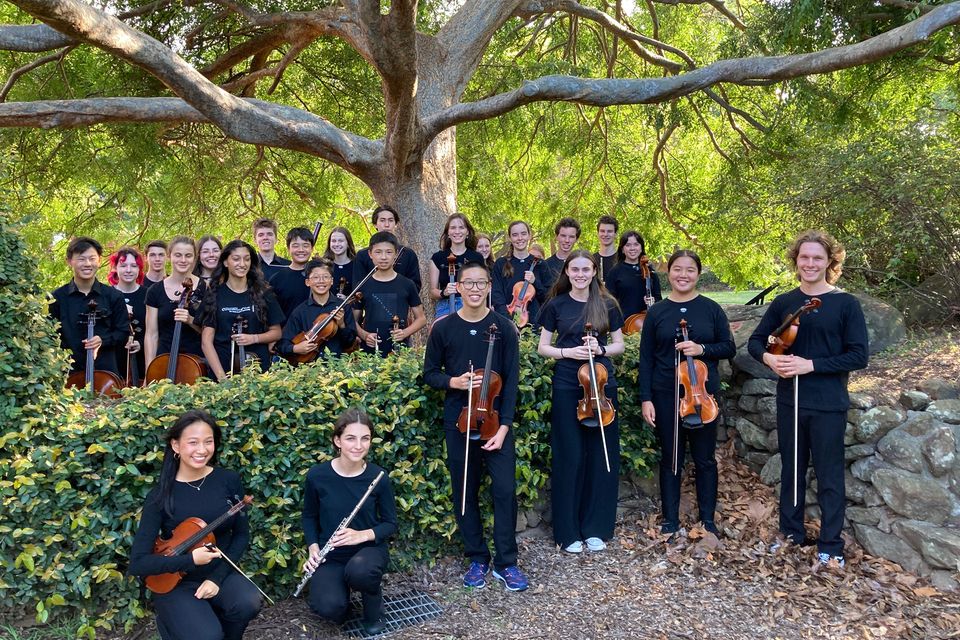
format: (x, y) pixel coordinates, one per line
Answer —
(348, 503)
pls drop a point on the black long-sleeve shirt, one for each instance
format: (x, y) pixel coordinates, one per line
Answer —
(547, 272)
(707, 325)
(328, 498)
(503, 285)
(302, 319)
(454, 343)
(408, 265)
(833, 336)
(290, 287)
(70, 307)
(165, 306)
(219, 490)
(606, 265)
(137, 302)
(626, 283)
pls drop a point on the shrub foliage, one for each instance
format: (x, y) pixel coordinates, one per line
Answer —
(75, 473)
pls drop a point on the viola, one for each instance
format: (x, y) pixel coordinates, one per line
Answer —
(452, 274)
(479, 419)
(239, 327)
(133, 373)
(634, 322)
(784, 336)
(595, 409)
(187, 536)
(696, 406)
(180, 368)
(523, 293)
(100, 383)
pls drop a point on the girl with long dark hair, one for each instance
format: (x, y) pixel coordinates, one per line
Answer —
(458, 239)
(625, 280)
(516, 265)
(212, 600)
(209, 248)
(584, 493)
(359, 556)
(240, 309)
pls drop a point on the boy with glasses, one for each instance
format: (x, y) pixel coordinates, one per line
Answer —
(319, 279)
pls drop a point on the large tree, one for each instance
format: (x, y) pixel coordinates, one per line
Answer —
(223, 63)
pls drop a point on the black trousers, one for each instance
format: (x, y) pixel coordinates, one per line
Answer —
(182, 616)
(501, 466)
(703, 446)
(332, 581)
(583, 492)
(820, 436)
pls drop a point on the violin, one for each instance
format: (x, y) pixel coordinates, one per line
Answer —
(784, 336)
(100, 383)
(595, 409)
(342, 286)
(479, 419)
(634, 322)
(180, 368)
(696, 407)
(523, 293)
(187, 536)
(239, 327)
(325, 326)
(452, 274)
(133, 373)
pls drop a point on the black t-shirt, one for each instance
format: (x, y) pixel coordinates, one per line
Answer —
(833, 336)
(439, 259)
(343, 272)
(383, 300)
(565, 317)
(606, 264)
(547, 272)
(137, 301)
(454, 343)
(290, 286)
(217, 491)
(707, 325)
(329, 497)
(269, 270)
(626, 283)
(408, 265)
(303, 318)
(503, 284)
(189, 337)
(227, 306)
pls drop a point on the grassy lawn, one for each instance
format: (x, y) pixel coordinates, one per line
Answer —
(734, 297)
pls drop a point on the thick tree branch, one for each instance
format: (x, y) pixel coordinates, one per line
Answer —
(719, 5)
(909, 5)
(608, 92)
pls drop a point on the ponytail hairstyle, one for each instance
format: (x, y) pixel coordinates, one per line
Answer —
(599, 300)
(351, 249)
(471, 240)
(117, 257)
(508, 247)
(171, 461)
(621, 256)
(256, 283)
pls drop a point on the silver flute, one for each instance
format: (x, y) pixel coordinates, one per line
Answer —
(327, 548)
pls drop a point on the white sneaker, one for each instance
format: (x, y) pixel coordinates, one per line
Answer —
(595, 544)
(574, 547)
(825, 558)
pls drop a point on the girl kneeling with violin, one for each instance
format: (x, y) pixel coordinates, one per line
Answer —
(683, 339)
(348, 505)
(197, 594)
(324, 323)
(586, 442)
(478, 411)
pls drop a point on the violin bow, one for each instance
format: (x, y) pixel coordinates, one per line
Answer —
(594, 388)
(212, 547)
(466, 453)
(676, 403)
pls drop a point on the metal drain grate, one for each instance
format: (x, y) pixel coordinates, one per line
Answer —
(401, 610)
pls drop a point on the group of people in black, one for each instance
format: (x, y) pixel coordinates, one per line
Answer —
(575, 290)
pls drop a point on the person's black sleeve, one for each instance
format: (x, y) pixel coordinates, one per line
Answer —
(291, 330)
(143, 561)
(119, 322)
(274, 312)
(348, 335)
(757, 345)
(413, 296)
(433, 373)
(511, 375)
(387, 507)
(310, 517)
(655, 285)
(856, 350)
(647, 358)
(412, 269)
(723, 346)
(499, 296)
(362, 265)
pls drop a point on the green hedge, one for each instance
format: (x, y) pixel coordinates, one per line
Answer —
(75, 478)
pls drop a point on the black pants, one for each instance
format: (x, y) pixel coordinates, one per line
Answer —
(583, 492)
(703, 446)
(332, 581)
(501, 466)
(182, 616)
(821, 436)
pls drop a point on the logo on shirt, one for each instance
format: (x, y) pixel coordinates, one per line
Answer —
(473, 332)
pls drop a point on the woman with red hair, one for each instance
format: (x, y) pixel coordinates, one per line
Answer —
(126, 276)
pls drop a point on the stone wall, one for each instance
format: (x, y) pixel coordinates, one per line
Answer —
(903, 460)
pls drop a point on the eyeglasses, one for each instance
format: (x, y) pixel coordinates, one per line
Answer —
(479, 285)
(320, 279)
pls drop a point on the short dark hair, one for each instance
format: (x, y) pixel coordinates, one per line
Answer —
(299, 233)
(608, 220)
(567, 223)
(685, 253)
(317, 263)
(381, 208)
(473, 264)
(384, 236)
(80, 244)
(155, 243)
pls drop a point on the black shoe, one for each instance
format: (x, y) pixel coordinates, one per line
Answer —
(374, 628)
(669, 527)
(372, 621)
(711, 526)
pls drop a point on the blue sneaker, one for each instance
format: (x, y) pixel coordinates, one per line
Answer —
(512, 578)
(475, 575)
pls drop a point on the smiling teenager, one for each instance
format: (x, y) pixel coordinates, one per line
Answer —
(127, 276)
(386, 219)
(459, 239)
(163, 299)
